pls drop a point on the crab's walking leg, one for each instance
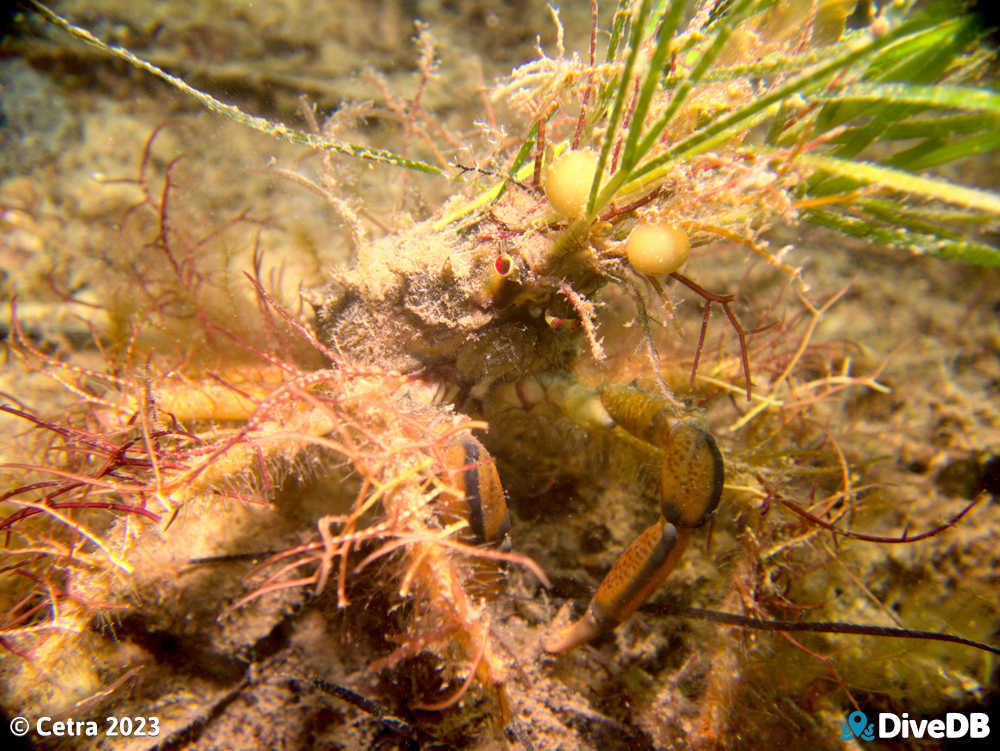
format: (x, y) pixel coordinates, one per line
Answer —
(691, 478)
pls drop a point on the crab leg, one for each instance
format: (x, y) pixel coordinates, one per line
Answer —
(691, 468)
(691, 479)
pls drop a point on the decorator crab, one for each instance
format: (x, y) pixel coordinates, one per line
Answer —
(461, 307)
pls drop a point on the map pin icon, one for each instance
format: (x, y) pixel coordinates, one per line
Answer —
(857, 721)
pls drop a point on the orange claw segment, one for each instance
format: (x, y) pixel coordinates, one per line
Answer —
(634, 576)
(639, 571)
(691, 469)
(473, 473)
(488, 515)
(691, 475)
(643, 415)
(474, 494)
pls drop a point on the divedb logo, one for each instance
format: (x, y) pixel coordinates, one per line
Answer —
(954, 725)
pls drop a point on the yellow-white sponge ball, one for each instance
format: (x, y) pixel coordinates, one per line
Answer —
(657, 249)
(567, 182)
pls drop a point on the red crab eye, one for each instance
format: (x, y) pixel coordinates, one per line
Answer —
(503, 264)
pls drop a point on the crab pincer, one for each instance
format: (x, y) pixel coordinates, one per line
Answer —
(691, 480)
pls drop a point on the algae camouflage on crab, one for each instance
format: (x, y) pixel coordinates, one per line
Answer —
(197, 421)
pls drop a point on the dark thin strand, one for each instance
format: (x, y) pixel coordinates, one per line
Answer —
(391, 723)
(368, 706)
(824, 627)
(187, 735)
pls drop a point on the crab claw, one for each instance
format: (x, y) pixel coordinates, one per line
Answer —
(691, 479)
